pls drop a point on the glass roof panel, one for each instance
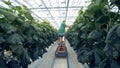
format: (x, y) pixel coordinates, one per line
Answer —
(53, 10)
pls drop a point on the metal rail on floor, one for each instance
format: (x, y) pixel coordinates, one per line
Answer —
(60, 62)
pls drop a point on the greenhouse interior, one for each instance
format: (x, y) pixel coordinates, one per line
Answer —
(59, 33)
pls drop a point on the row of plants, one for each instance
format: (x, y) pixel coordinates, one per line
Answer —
(95, 34)
(22, 38)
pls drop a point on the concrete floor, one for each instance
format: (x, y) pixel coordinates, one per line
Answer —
(47, 60)
(60, 63)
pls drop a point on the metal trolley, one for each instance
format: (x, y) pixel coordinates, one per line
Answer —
(61, 50)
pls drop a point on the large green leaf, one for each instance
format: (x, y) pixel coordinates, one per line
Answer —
(84, 36)
(15, 39)
(7, 2)
(118, 30)
(7, 27)
(112, 34)
(96, 35)
(28, 16)
(112, 41)
(115, 64)
(17, 8)
(80, 25)
(2, 40)
(103, 19)
(9, 15)
(35, 37)
(29, 39)
(94, 8)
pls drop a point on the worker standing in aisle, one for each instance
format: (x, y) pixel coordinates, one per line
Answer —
(62, 31)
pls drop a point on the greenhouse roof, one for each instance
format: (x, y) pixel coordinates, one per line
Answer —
(53, 10)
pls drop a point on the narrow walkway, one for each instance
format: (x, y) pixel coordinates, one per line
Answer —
(72, 57)
(48, 58)
(60, 63)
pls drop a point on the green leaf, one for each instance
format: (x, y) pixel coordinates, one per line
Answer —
(22, 17)
(29, 39)
(84, 36)
(28, 16)
(17, 8)
(18, 50)
(35, 37)
(7, 27)
(98, 2)
(19, 21)
(115, 54)
(118, 31)
(112, 35)
(103, 19)
(9, 15)
(14, 47)
(15, 39)
(115, 64)
(80, 25)
(7, 2)
(2, 40)
(96, 35)
(94, 8)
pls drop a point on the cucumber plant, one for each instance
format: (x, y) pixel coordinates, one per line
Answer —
(24, 36)
(95, 35)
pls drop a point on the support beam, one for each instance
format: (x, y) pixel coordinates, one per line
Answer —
(59, 7)
(53, 9)
(67, 9)
(63, 17)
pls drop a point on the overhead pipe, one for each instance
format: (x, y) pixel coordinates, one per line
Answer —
(67, 10)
